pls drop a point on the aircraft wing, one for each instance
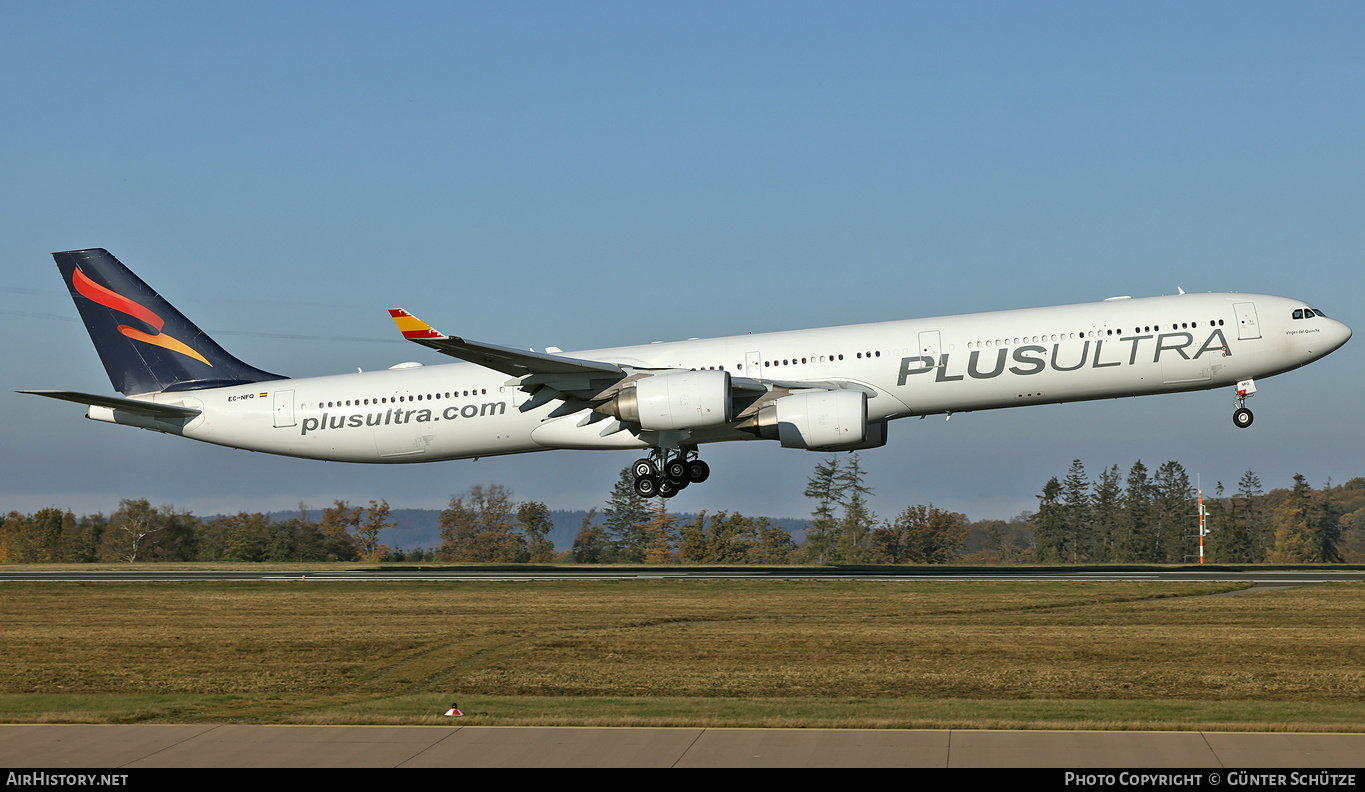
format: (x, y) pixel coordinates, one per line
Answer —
(577, 382)
(514, 362)
(116, 403)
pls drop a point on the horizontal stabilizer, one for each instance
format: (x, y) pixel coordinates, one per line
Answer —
(115, 403)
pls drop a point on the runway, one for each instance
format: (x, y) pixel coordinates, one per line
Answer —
(61, 748)
(399, 574)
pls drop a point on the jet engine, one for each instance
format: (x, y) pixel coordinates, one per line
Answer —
(675, 400)
(821, 420)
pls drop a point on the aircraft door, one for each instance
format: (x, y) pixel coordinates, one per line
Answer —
(930, 345)
(753, 364)
(1246, 320)
(284, 408)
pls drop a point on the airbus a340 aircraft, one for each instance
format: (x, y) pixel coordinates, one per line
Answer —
(830, 389)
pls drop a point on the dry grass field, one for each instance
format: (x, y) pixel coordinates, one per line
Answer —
(734, 653)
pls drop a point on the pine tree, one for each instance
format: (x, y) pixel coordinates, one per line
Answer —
(858, 521)
(1049, 524)
(1259, 536)
(1136, 540)
(1328, 534)
(1106, 509)
(1175, 513)
(1079, 535)
(626, 520)
(822, 531)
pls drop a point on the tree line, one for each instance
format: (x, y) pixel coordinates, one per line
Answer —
(1145, 517)
(138, 531)
(1140, 517)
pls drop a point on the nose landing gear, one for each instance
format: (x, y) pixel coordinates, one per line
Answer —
(665, 473)
(1242, 417)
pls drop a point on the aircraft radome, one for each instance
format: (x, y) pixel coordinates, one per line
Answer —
(828, 389)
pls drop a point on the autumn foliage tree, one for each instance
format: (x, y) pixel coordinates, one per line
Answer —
(590, 544)
(367, 531)
(661, 536)
(138, 531)
(486, 525)
(536, 524)
(921, 535)
(734, 538)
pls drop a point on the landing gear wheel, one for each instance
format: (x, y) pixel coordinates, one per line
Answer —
(676, 470)
(666, 472)
(647, 486)
(1242, 417)
(643, 467)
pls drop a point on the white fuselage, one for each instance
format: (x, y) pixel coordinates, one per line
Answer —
(1120, 347)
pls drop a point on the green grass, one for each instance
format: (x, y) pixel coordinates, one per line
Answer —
(805, 653)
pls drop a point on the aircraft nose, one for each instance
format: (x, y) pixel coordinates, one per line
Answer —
(1334, 335)
(1343, 333)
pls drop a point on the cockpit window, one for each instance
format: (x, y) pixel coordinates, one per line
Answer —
(1320, 313)
(1298, 313)
(1308, 313)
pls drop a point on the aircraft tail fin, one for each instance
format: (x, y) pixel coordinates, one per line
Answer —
(146, 345)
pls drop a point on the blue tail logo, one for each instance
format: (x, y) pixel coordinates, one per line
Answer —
(146, 345)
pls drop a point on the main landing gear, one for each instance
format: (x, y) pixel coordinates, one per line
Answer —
(665, 473)
(1242, 417)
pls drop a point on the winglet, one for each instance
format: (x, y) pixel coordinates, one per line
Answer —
(412, 328)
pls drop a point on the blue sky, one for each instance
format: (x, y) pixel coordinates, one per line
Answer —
(592, 174)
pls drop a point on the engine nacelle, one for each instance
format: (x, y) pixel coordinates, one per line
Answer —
(675, 400)
(823, 420)
(876, 438)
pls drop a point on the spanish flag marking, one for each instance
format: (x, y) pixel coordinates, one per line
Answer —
(412, 327)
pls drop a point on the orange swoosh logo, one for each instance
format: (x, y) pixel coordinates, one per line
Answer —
(112, 299)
